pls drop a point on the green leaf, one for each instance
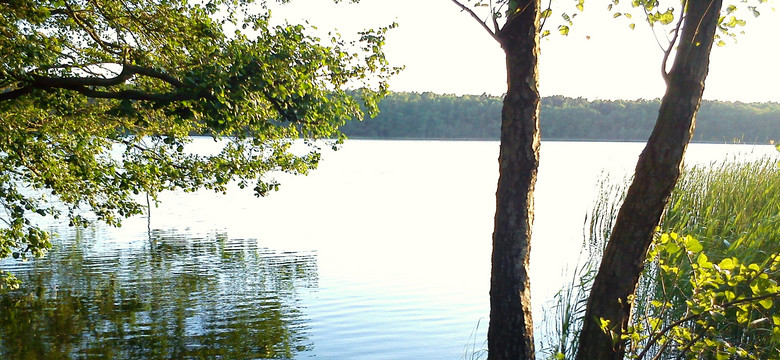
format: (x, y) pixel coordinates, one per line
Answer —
(727, 264)
(766, 303)
(693, 245)
(667, 17)
(672, 248)
(703, 261)
(563, 29)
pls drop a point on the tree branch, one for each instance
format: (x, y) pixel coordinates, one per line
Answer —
(474, 15)
(135, 95)
(494, 18)
(154, 73)
(15, 94)
(723, 306)
(82, 84)
(669, 49)
(44, 82)
(544, 20)
(82, 23)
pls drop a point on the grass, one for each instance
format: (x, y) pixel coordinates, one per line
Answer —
(472, 351)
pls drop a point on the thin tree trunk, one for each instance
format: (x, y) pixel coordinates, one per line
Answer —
(510, 334)
(656, 174)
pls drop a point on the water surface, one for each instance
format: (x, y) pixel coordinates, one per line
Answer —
(381, 253)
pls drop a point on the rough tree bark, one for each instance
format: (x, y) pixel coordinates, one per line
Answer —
(657, 171)
(510, 333)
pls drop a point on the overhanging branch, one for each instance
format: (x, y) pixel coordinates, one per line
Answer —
(86, 85)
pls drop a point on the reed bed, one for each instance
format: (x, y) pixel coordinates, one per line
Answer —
(731, 207)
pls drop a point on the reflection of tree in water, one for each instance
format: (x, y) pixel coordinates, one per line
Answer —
(173, 298)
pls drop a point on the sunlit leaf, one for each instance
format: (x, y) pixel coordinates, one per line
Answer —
(692, 245)
(726, 264)
(766, 303)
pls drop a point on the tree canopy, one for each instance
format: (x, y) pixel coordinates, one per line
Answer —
(99, 97)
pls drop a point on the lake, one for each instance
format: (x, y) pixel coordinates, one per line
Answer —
(381, 253)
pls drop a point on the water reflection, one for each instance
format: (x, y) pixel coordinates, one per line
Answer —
(176, 297)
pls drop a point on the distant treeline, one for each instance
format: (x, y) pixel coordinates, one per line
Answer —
(434, 116)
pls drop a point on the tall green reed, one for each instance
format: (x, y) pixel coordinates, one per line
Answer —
(732, 207)
(560, 327)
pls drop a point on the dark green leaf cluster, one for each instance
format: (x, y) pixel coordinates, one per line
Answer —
(99, 98)
(432, 116)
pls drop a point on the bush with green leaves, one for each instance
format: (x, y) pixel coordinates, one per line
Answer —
(705, 309)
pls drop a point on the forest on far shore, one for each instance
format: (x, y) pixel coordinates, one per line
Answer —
(427, 115)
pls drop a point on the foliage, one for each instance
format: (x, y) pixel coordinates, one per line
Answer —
(730, 24)
(98, 99)
(730, 305)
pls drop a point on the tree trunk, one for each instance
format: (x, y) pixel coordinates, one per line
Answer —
(510, 334)
(656, 174)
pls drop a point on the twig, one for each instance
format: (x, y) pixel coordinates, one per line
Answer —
(482, 23)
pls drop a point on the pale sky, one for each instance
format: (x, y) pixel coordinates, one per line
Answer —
(446, 51)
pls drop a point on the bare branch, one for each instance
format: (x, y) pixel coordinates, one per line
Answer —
(668, 50)
(723, 306)
(82, 23)
(474, 15)
(544, 20)
(495, 18)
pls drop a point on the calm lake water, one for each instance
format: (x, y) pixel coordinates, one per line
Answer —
(381, 253)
